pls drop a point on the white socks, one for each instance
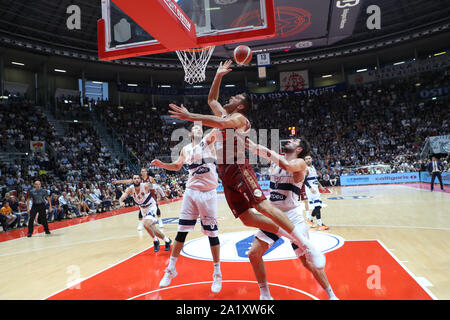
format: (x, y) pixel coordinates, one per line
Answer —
(330, 293)
(166, 239)
(172, 262)
(217, 268)
(264, 289)
(308, 215)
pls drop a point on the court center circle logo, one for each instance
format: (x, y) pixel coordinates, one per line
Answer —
(234, 247)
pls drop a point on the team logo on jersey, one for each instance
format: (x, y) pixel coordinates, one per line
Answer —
(235, 246)
(201, 170)
(257, 193)
(275, 196)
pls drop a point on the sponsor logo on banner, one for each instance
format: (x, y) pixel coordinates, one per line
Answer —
(435, 92)
(343, 19)
(406, 177)
(402, 70)
(295, 80)
(235, 246)
(311, 92)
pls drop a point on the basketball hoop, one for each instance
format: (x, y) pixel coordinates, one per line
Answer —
(194, 63)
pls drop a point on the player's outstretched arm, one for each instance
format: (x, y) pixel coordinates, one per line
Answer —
(123, 197)
(234, 121)
(173, 166)
(127, 181)
(213, 96)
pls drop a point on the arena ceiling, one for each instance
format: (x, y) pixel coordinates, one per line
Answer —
(43, 22)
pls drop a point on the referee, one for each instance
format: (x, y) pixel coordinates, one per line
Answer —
(435, 168)
(38, 196)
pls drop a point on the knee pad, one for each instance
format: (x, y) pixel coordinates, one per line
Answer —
(316, 258)
(181, 236)
(213, 241)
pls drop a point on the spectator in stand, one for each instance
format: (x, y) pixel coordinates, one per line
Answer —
(74, 201)
(4, 223)
(14, 204)
(57, 213)
(7, 213)
(326, 179)
(333, 179)
(66, 206)
(23, 210)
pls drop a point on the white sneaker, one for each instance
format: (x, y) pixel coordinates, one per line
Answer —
(168, 276)
(139, 227)
(262, 297)
(217, 283)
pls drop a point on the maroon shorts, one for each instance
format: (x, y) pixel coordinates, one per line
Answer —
(241, 187)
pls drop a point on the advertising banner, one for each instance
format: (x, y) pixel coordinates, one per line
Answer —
(294, 80)
(407, 177)
(343, 20)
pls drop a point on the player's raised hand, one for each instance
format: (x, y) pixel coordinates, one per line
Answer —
(224, 68)
(156, 163)
(179, 112)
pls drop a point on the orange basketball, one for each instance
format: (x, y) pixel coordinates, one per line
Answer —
(242, 55)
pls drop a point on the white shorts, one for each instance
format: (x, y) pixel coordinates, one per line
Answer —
(149, 213)
(198, 203)
(296, 217)
(313, 198)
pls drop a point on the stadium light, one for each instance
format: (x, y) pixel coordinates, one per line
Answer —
(398, 63)
(60, 70)
(327, 76)
(440, 53)
(132, 84)
(361, 70)
(18, 63)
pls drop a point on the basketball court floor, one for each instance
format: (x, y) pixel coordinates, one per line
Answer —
(385, 242)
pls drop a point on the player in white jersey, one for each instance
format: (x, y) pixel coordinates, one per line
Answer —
(313, 193)
(200, 199)
(146, 179)
(286, 179)
(144, 196)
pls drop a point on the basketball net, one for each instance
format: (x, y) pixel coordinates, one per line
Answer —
(194, 63)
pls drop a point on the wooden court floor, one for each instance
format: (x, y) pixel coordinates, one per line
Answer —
(409, 221)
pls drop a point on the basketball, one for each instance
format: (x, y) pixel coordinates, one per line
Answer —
(242, 55)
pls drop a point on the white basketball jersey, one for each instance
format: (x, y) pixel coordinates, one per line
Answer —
(312, 176)
(284, 192)
(142, 199)
(201, 164)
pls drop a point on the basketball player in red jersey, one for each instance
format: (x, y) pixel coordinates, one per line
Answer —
(241, 188)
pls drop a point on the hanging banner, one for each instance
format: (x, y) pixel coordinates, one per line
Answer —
(294, 80)
(37, 146)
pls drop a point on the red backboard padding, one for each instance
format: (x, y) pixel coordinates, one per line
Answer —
(163, 20)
